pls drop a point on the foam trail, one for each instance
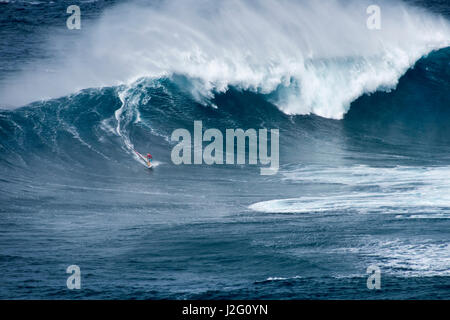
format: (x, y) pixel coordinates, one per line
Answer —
(118, 115)
(131, 98)
(320, 52)
(125, 115)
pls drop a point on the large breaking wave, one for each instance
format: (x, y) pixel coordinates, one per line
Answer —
(95, 126)
(307, 57)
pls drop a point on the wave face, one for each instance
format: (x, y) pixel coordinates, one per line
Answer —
(108, 123)
(314, 57)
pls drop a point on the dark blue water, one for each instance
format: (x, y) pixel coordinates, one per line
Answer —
(371, 188)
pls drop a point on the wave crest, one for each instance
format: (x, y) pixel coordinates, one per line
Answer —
(311, 57)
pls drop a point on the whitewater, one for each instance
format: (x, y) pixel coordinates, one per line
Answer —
(309, 57)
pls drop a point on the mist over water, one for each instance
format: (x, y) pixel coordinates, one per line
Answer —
(315, 57)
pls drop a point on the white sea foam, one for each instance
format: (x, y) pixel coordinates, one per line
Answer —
(407, 258)
(321, 51)
(416, 192)
(283, 278)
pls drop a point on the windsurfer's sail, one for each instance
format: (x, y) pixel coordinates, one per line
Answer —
(146, 161)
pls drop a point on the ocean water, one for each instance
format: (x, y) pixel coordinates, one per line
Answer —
(364, 150)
